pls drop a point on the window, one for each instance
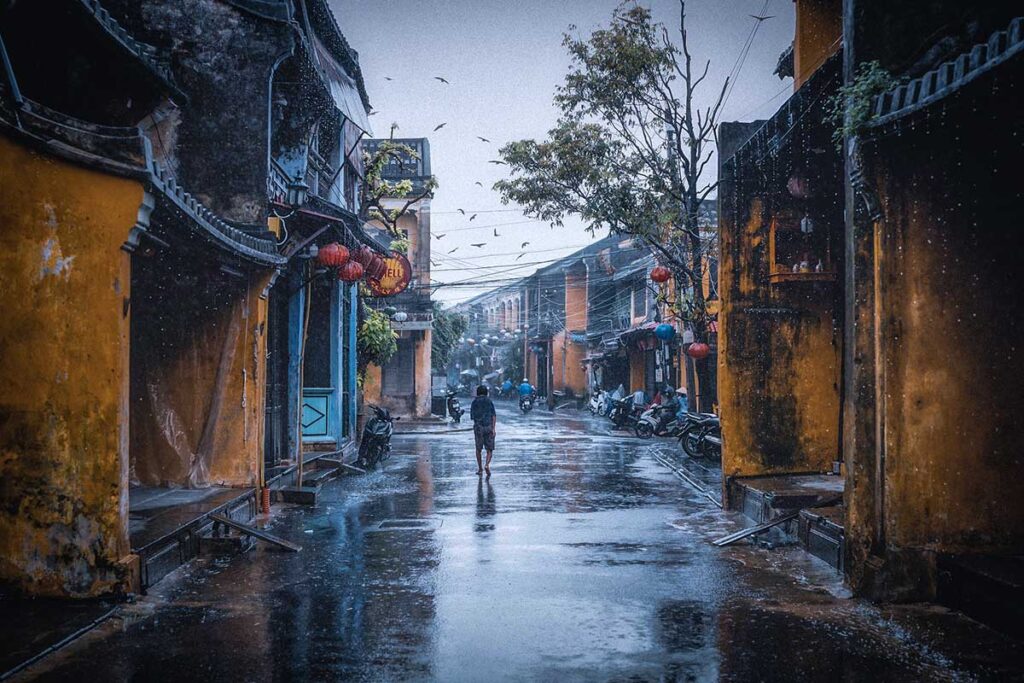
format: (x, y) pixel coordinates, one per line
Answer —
(639, 298)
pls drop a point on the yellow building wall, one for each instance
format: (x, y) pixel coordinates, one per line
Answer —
(819, 31)
(778, 362)
(637, 364)
(64, 283)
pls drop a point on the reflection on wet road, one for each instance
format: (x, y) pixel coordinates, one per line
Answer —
(581, 558)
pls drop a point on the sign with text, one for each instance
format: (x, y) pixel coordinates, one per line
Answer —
(397, 273)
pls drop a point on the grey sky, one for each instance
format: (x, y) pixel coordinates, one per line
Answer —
(503, 61)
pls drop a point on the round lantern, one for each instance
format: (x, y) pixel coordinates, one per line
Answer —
(660, 274)
(471, 341)
(698, 350)
(351, 271)
(376, 267)
(400, 317)
(332, 255)
(665, 332)
(362, 255)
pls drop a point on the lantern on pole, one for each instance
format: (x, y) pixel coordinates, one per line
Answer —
(660, 274)
(332, 255)
(698, 350)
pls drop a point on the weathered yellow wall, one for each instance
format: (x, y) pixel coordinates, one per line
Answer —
(819, 28)
(423, 354)
(63, 373)
(637, 365)
(198, 361)
(779, 358)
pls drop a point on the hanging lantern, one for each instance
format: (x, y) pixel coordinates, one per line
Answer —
(698, 350)
(400, 317)
(665, 332)
(471, 341)
(660, 274)
(376, 267)
(351, 271)
(332, 255)
(363, 255)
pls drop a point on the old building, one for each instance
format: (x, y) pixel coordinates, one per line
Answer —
(866, 327)
(145, 287)
(404, 383)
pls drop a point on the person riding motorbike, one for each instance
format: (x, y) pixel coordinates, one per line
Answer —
(526, 389)
(506, 388)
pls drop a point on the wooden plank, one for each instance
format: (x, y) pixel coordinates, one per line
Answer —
(256, 533)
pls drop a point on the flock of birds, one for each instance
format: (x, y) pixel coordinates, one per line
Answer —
(438, 236)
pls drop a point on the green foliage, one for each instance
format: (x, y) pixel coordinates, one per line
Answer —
(849, 110)
(375, 340)
(448, 326)
(401, 245)
(377, 189)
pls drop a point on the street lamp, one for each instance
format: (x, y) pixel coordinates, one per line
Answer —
(297, 191)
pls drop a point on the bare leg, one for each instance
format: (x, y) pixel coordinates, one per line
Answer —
(488, 466)
(479, 468)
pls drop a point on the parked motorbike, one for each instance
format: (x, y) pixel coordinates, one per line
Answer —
(375, 444)
(455, 408)
(658, 420)
(598, 404)
(701, 435)
(526, 403)
(624, 413)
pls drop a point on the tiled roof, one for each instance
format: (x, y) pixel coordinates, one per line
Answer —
(950, 76)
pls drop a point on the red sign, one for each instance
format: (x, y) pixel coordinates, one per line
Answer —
(396, 276)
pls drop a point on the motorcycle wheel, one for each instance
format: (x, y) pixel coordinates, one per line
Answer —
(689, 439)
(643, 430)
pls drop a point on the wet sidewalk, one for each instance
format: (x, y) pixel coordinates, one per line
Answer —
(582, 558)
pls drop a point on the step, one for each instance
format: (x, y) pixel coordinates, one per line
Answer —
(319, 475)
(987, 588)
(821, 534)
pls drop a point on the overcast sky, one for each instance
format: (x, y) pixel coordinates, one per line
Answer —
(503, 60)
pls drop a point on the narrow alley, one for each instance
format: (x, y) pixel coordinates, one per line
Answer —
(582, 557)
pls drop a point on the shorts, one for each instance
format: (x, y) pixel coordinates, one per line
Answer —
(484, 437)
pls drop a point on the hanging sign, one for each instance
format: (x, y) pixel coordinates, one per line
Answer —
(397, 273)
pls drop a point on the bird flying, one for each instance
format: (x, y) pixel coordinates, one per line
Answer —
(761, 18)
(496, 233)
(438, 78)
(478, 183)
(440, 126)
(523, 245)
(482, 139)
(472, 217)
(479, 244)
(499, 163)
(453, 250)
(462, 211)
(372, 113)
(388, 78)
(437, 237)
(520, 256)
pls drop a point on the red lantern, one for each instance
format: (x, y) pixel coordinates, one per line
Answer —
(698, 350)
(363, 255)
(351, 271)
(660, 274)
(376, 267)
(332, 255)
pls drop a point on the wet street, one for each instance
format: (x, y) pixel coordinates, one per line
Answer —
(582, 557)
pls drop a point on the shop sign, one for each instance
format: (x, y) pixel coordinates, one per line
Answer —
(397, 273)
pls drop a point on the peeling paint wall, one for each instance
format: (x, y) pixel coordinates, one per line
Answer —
(63, 373)
(198, 361)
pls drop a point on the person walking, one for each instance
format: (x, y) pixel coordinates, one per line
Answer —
(485, 419)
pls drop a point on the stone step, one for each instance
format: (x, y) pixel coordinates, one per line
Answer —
(821, 534)
(985, 587)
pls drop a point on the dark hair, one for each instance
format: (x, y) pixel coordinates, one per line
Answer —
(481, 390)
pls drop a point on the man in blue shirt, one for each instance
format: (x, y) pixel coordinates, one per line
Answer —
(506, 388)
(485, 419)
(525, 389)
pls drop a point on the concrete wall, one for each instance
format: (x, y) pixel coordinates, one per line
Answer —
(63, 373)
(819, 30)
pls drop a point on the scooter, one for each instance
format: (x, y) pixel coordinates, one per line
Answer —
(526, 403)
(624, 414)
(375, 443)
(455, 408)
(598, 404)
(658, 420)
(701, 435)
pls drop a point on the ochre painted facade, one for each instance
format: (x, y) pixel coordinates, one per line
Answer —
(819, 33)
(63, 374)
